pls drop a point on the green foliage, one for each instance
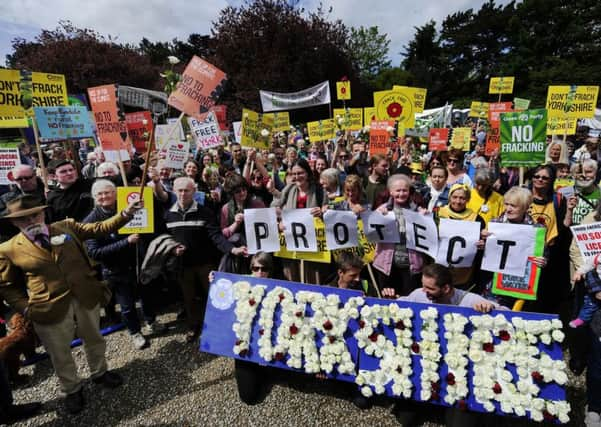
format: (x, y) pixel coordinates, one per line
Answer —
(368, 51)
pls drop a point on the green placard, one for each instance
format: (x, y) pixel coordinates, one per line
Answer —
(520, 104)
(522, 287)
(523, 138)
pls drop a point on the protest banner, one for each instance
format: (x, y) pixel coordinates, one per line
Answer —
(143, 220)
(478, 109)
(349, 118)
(573, 102)
(321, 130)
(395, 105)
(198, 88)
(299, 230)
(559, 126)
(176, 153)
(379, 228)
(206, 133)
(139, 133)
(110, 122)
(523, 138)
(365, 249)
(500, 85)
(142, 98)
(457, 242)
(379, 137)
(460, 138)
(493, 136)
(261, 227)
(521, 104)
(440, 354)
(237, 131)
(281, 121)
(221, 115)
(56, 123)
(418, 95)
(341, 229)
(10, 95)
(322, 255)
(508, 247)
(588, 239)
(310, 97)
(252, 130)
(422, 233)
(343, 90)
(369, 115)
(13, 122)
(9, 158)
(524, 285)
(438, 139)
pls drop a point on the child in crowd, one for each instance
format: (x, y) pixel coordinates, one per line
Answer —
(592, 298)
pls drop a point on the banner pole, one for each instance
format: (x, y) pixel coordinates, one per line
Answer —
(521, 176)
(302, 271)
(149, 145)
(373, 280)
(121, 167)
(40, 155)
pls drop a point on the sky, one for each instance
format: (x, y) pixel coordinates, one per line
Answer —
(159, 20)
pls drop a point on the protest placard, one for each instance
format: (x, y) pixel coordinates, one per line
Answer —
(524, 285)
(369, 115)
(255, 129)
(422, 233)
(281, 120)
(457, 242)
(10, 95)
(321, 130)
(349, 118)
(322, 255)
(261, 227)
(478, 109)
(573, 102)
(418, 95)
(560, 126)
(523, 138)
(198, 88)
(588, 238)
(56, 123)
(521, 104)
(343, 90)
(341, 229)
(379, 228)
(13, 122)
(221, 115)
(176, 153)
(460, 138)
(385, 347)
(395, 105)
(438, 139)
(493, 136)
(143, 220)
(237, 131)
(379, 137)
(299, 230)
(110, 120)
(9, 158)
(206, 133)
(501, 85)
(508, 247)
(137, 130)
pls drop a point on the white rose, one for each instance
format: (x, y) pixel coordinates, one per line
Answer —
(366, 391)
(173, 60)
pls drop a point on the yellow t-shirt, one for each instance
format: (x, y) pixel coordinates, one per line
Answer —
(489, 208)
(545, 215)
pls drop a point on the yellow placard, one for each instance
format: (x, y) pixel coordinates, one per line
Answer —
(563, 182)
(557, 126)
(366, 249)
(14, 122)
(48, 90)
(461, 138)
(418, 94)
(281, 120)
(369, 115)
(323, 255)
(501, 85)
(10, 95)
(343, 90)
(349, 118)
(143, 220)
(395, 105)
(572, 102)
(250, 130)
(321, 130)
(479, 109)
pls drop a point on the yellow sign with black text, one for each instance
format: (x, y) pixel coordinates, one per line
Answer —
(143, 220)
(501, 85)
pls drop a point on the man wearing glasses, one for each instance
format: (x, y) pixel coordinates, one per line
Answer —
(25, 182)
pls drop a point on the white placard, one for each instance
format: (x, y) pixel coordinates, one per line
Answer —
(299, 230)
(457, 242)
(380, 228)
(261, 227)
(237, 131)
(421, 231)
(508, 248)
(177, 153)
(206, 133)
(588, 238)
(341, 229)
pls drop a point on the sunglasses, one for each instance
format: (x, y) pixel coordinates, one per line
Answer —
(453, 161)
(256, 268)
(343, 157)
(23, 178)
(541, 177)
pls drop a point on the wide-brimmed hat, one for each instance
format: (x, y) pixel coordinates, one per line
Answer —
(22, 206)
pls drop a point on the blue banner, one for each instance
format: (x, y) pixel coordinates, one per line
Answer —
(510, 363)
(57, 123)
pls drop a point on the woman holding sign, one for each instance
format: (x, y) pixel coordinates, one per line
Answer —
(400, 267)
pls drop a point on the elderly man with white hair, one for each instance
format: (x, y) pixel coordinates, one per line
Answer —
(201, 245)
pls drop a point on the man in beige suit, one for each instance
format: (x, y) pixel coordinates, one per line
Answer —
(45, 273)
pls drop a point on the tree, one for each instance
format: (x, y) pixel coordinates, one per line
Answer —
(85, 57)
(368, 50)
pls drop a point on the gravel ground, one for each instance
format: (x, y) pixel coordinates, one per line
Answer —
(172, 384)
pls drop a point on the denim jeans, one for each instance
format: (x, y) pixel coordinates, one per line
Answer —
(125, 294)
(589, 307)
(593, 376)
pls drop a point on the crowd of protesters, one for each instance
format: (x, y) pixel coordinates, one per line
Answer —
(199, 224)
